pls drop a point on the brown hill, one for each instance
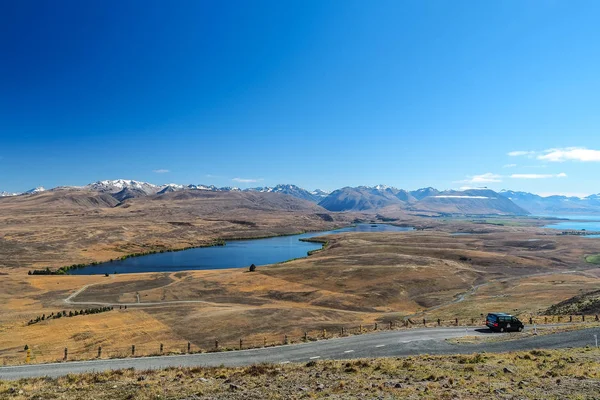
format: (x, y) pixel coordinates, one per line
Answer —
(63, 199)
(210, 201)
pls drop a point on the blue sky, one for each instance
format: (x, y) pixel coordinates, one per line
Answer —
(317, 93)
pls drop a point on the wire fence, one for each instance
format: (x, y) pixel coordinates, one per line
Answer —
(42, 354)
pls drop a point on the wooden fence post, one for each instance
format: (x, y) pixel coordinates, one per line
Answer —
(216, 344)
(161, 348)
(133, 349)
(28, 356)
(241, 344)
(66, 354)
(360, 328)
(375, 325)
(391, 325)
(424, 322)
(285, 339)
(305, 336)
(324, 333)
(530, 321)
(264, 341)
(342, 331)
(545, 320)
(582, 318)
(456, 321)
(189, 347)
(439, 322)
(570, 318)
(596, 317)
(100, 352)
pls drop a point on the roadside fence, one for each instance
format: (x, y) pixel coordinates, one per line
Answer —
(42, 354)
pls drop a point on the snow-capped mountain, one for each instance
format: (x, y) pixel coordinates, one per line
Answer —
(291, 190)
(367, 197)
(38, 189)
(420, 194)
(320, 193)
(115, 186)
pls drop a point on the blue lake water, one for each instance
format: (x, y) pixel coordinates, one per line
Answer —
(578, 222)
(235, 254)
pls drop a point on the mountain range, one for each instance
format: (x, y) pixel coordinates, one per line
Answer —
(554, 205)
(365, 198)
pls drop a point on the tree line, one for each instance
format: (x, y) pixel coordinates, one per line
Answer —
(65, 314)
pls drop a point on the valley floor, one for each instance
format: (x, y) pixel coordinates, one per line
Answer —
(358, 280)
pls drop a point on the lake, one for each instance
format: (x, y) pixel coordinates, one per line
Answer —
(235, 253)
(578, 222)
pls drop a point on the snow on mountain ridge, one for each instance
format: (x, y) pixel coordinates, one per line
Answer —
(38, 189)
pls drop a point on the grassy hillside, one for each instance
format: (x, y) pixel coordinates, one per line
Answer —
(587, 303)
(560, 374)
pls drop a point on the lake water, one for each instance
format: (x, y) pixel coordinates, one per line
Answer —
(578, 222)
(235, 254)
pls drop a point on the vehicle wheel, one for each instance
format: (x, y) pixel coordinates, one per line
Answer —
(501, 330)
(520, 329)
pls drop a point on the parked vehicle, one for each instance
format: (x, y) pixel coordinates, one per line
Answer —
(502, 322)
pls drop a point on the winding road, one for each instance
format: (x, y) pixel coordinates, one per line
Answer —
(381, 344)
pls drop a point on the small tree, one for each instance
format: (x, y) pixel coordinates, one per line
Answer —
(26, 347)
(252, 268)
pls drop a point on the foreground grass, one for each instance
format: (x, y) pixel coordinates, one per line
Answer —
(556, 374)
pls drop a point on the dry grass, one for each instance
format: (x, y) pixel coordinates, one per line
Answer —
(358, 279)
(557, 374)
(540, 331)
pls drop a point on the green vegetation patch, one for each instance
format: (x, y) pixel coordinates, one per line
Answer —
(593, 259)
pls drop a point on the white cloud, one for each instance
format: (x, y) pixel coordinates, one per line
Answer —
(483, 178)
(519, 153)
(509, 165)
(581, 154)
(570, 154)
(161, 171)
(538, 176)
(247, 180)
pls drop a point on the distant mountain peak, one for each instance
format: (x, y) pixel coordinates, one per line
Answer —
(38, 189)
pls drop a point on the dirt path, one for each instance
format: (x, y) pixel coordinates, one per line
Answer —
(70, 300)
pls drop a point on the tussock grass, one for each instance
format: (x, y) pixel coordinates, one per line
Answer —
(547, 374)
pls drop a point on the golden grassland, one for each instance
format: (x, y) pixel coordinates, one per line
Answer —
(555, 374)
(359, 279)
